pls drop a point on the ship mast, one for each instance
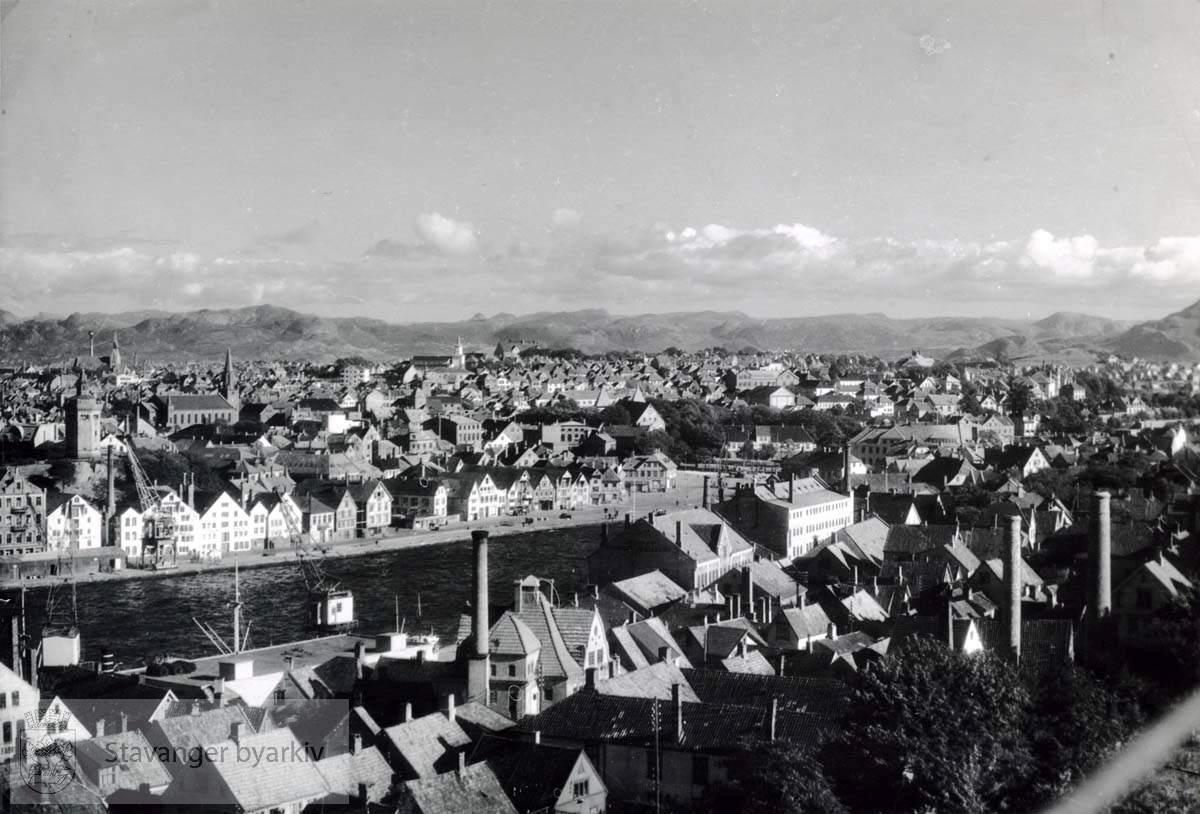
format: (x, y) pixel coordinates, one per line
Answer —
(237, 610)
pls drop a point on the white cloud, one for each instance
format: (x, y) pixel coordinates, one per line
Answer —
(775, 269)
(1068, 256)
(448, 235)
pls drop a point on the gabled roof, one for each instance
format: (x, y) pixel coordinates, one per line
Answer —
(648, 592)
(653, 681)
(532, 774)
(344, 773)
(428, 744)
(474, 788)
(805, 622)
(269, 782)
(212, 726)
(510, 636)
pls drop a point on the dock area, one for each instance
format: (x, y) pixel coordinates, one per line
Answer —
(687, 493)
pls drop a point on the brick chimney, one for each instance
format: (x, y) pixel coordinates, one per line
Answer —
(477, 669)
(1012, 585)
(1100, 557)
(677, 703)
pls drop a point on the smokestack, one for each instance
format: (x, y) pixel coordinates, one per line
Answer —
(679, 533)
(677, 703)
(748, 587)
(792, 489)
(704, 494)
(774, 715)
(846, 466)
(1100, 557)
(628, 519)
(110, 507)
(1012, 585)
(477, 676)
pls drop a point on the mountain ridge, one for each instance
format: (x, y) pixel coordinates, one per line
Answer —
(270, 331)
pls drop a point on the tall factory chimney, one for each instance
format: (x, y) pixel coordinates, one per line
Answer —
(1100, 557)
(110, 507)
(846, 467)
(704, 498)
(477, 667)
(1012, 585)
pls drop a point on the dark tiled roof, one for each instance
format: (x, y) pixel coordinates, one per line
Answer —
(1044, 642)
(588, 717)
(912, 540)
(530, 773)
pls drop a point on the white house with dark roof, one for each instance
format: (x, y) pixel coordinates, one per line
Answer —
(72, 523)
(515, 653)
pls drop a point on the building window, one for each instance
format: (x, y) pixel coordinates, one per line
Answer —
(580, 789)
(8, 735)
(512, 670)
(1144, 599)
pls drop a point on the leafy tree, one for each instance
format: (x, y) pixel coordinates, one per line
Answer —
(1020, 396)
(969, 402)
(766, 453)
(773, 778)
(616, 414)
(932, 729)
(1167, 650)
(1073, 729)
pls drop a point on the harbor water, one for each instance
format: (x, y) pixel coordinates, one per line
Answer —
(136, 618)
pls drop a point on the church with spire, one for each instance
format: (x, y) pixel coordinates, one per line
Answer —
(229, 388)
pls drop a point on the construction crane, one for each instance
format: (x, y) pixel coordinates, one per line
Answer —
(328, 606)
(158, 525)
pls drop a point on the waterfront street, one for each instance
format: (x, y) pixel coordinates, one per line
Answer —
(688, 492)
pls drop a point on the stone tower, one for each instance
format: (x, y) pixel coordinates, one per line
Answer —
(83, 422)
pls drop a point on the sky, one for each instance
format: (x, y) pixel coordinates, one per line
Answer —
(415, 161)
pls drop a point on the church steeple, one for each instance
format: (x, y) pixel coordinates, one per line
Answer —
(229, 382)
(114, 357)
(460, 356)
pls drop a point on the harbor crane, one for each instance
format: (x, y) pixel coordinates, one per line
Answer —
(328, 606)
(158, 523)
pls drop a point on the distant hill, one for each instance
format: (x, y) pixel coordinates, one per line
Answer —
(1067, 324)
(1175, 337)
(268, 332)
